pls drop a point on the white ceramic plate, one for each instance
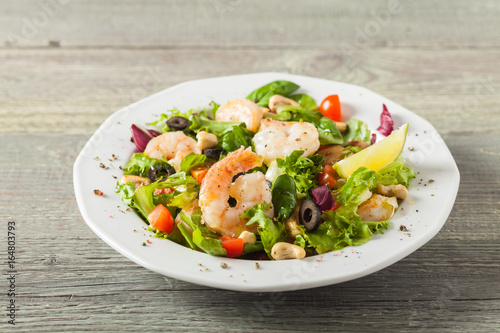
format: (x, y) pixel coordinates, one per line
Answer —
(423, 213)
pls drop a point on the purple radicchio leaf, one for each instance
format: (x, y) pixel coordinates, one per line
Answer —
(154, 133)
(141, 136)
(323, 198)
(386, 122)
(374, 138)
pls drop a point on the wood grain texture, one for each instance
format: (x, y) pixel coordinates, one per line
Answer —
(261, 23)
(65, 68)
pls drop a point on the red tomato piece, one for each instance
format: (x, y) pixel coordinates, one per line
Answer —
(328, 176)
(330, 108)
(334, 208)
(161, 219)
(233, 246)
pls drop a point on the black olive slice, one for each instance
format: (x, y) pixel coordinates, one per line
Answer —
(236, 176)
(269, 183)
(178, 123)
(213, 153)
(158, 170)
(309, 215)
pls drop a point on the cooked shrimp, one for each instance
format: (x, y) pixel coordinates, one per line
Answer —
(280, 139)
(173, 146)
(242, 110)
(248, 190)
(377, 208)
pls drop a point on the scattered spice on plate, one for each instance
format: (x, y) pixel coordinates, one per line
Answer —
(149, 242)
(98, 192)
(223, 265)
(101, 165)
(257, 266)
(143, 244)
(114, 156)
(411, 148)
(431, 181)
(402, 228)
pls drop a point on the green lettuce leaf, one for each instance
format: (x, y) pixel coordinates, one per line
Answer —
(192, 160)
(356, 130)
(239, 136)
(270, 232)
(211, 246)
(303, 170)
(328, 132)
(126, 192)
(304, 101)
(139, 164)
(262, 95)
(399, 171)
(284, 197)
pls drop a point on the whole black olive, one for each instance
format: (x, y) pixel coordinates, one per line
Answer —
(213, 153)
(309, 215)
(158, 170)
(236, 176)
(178, 123)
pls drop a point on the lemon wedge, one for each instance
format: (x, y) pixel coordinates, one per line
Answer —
(376, 156)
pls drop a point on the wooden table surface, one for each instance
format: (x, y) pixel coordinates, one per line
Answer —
(65, 66)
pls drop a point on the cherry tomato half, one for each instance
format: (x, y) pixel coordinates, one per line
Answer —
(328, 176)
(330, 108)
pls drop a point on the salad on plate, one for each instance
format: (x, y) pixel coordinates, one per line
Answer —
(269, 176)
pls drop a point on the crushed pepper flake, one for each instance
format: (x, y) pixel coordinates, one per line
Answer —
(98, 192)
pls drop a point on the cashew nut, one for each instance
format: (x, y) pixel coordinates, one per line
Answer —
(248, 237)
(134, 179)
(277, 100)
(357, 143)
(341, 126)
(398, 191)
(341, 182)
(292, 227)
(206, 140)
(282, 250)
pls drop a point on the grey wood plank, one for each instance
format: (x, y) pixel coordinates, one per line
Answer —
(75, 90)
(70, 280)
(230, 23)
